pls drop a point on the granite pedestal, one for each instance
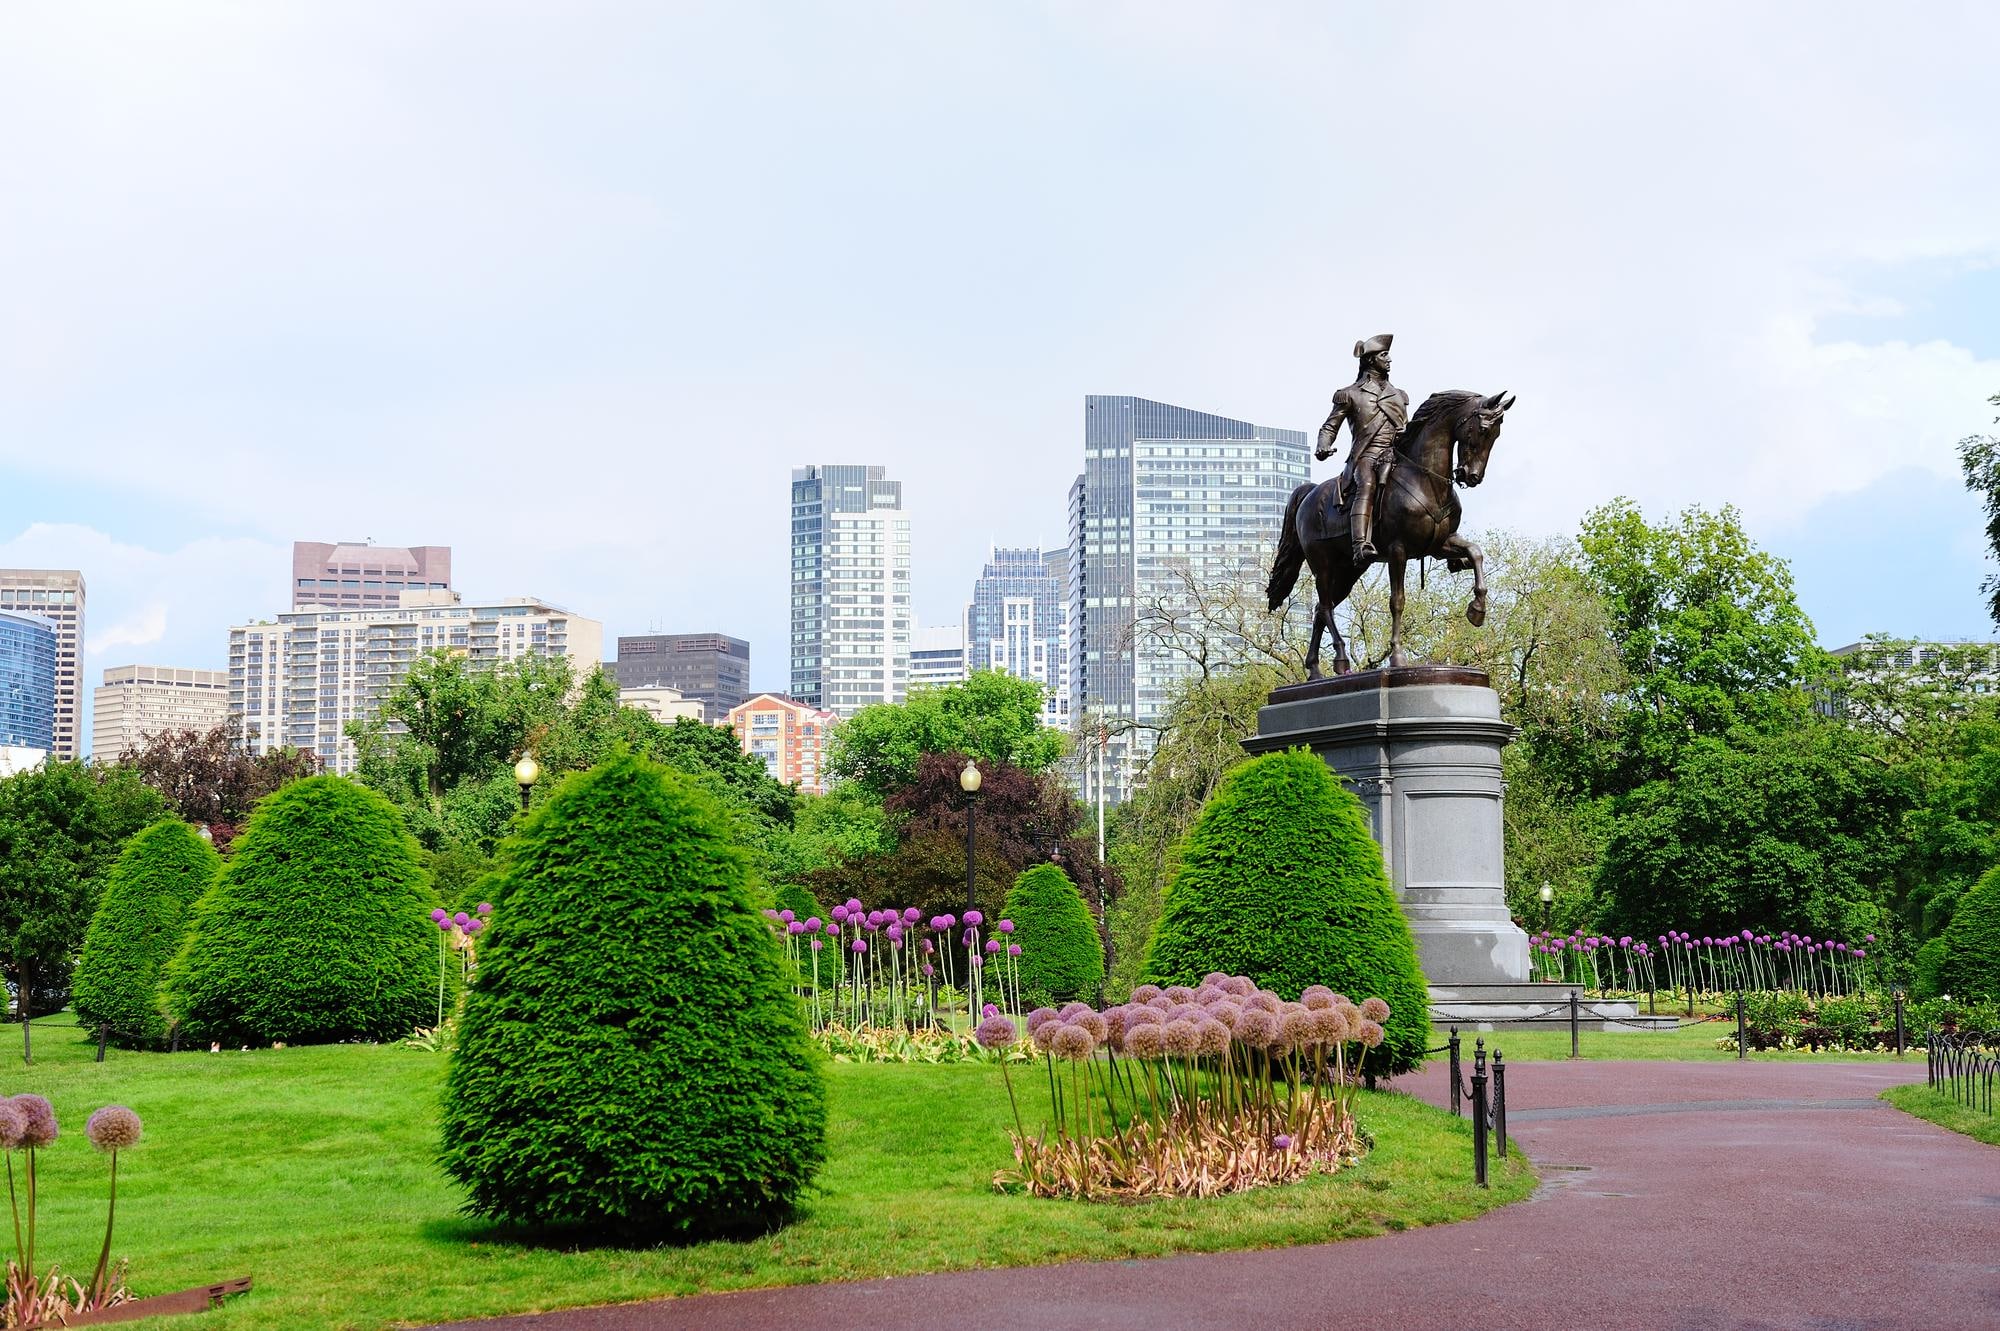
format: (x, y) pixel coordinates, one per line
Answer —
(1420, 746)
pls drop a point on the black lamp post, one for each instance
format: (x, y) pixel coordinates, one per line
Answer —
(968, 781)
(525, 773)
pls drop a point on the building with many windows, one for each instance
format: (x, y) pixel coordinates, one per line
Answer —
(28, 656)
(56, 595)
(354, 575)
(938, 656)
(1167, 495)
(788, 736)
(711, 668)
(851, 614)
(1017, 623)
(297, 681)
(137, 702)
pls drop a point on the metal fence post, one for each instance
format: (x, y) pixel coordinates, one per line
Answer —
(1652, 1004)
(1742, 1041)
(1479, 1113)
(1899, 1023)
(1500, 1102)
(1575, 1043)
(1456, 1082)
(103, 1035)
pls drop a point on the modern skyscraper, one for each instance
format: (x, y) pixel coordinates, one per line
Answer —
(851, 616)
(1017, 623)
(1165, 493)
(137, 702)
(27, 689)
(298, 682)
(55, 594)
(938, 656)
(355, 575)
(712, 668)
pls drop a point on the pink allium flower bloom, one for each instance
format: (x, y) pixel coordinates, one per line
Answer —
(1005, 926)
(1013, 949)
(113, 1128)
(38, 1120)
(996, 1032)
(485, 908)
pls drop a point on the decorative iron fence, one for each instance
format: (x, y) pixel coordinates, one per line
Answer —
(1963, 1070)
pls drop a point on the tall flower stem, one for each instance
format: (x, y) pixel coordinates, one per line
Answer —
(97, 1290)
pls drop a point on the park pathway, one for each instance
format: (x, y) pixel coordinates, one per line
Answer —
(1676, 1197)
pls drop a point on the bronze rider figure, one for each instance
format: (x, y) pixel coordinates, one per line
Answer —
(1376, 412)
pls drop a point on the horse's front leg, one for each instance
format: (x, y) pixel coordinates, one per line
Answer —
(1396, 568)
(1456, 548)
(1320, 621)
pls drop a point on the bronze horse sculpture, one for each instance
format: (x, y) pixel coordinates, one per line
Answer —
(1416, 517)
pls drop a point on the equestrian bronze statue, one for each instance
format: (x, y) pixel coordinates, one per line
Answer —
(1393, 502)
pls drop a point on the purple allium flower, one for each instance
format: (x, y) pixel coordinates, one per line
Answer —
(840, 914)
(1013, 949)
(895, 932)
(1840, 947)
(1281, 1142)
(1374, 1009)
(975, 962)
(911, 915)
(477, 926)
(444, 926)
(11, 1125)
(833, 931)
(1145, 993)
(38, 1120)
(860, 945)
(1073, 1042)
(854, 905)
(1039, 1017)
(996, 1032)
(1371, 1034)
(947, 921)
(874, 917)
(113, 1128)
(1183, 1037)
(812, 924)
(484, 908)
(1316, 996)
(1859, 953)
(796, 927)
(1626, 941)
(928, 970)
(1005, 926)
(818, 943)
(786, 916)
(440, 914)
(974, 918)
(1869, 939)
(992, 945)
(461, 919)
(929, 948)
(1145, 1040)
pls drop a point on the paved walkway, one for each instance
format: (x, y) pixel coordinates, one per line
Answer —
(1676, 1197)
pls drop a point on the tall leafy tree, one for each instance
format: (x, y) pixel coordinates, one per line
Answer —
(993, 717)
(210, 777)
(61, 827)
(1979, 459)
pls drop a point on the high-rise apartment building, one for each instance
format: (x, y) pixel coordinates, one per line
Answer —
(55, 594)
(1166, 494)
(1018, 623)
(851, 615)
(27, 690)
(937, 656)
(788, 736)
(711, 668)
(137, 702)
(354, 575)
(298, 681)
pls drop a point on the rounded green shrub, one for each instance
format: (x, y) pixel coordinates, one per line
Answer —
(1062, 957)
(1280, 881)
(1971, 965)
(136, 931)
(316, 930)
(631, 1058)
(792, 897)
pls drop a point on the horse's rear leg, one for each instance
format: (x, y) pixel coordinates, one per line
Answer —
(1320, 620)
(1396, 569)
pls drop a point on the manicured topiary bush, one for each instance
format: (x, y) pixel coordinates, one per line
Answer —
(316, 930)
(1281, 881)
(1062, 957)
(631, 1058)
(1971, 965)
(136, 931)
(792, 897)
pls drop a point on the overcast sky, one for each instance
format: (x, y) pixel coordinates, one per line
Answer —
(571, 287)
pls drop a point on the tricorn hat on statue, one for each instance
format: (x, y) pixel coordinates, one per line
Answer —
(1379, 342)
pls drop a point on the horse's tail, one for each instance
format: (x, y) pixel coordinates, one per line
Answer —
(1291, 554)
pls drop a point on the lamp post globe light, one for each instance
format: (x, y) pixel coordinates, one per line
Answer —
(1547, 894)
(525, 773)
(968, 781)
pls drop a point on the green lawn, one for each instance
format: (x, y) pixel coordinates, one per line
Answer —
(1687, 1042)
(1928, 1105)
(310, 1170)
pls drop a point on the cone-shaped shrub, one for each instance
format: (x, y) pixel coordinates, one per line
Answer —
(1971, 964)
(136, 931)
(631, 1058)
(1281, 881)
(317, 928)
(792, 897)
(1061, 956)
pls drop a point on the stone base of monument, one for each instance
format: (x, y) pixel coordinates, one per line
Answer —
(1420, 746)
(1538, 1006)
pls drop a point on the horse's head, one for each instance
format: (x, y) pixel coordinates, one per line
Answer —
(1477, 428)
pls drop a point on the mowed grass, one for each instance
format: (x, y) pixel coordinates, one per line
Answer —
(1694, 1042)
(1927, 1104)
(311, 1170)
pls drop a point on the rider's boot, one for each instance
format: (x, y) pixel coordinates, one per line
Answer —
(1362, 522)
